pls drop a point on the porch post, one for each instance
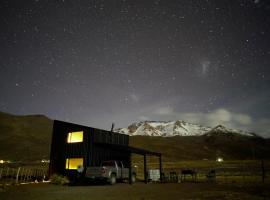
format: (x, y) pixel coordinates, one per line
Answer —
(130, 168)
(145, 168)
(160, 168)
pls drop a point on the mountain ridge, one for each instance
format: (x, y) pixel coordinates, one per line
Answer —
(176, 128)
(28, 138)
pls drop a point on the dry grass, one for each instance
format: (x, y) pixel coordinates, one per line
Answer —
(227, 171)
(138, 191)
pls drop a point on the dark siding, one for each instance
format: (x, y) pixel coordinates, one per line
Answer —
(93, 155)
(100, 154)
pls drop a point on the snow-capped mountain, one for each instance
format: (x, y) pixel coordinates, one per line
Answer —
(174, 128)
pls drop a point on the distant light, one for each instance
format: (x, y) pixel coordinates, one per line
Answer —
(45, 161)
(219, 159)
(4, 161)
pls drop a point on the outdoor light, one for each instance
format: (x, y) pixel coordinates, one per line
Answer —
(219, 159)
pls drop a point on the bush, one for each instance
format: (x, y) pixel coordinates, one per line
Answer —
(59, 180)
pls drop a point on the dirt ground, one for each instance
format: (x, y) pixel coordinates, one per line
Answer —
(138, 191)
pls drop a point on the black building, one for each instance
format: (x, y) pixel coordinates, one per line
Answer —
(73, 145)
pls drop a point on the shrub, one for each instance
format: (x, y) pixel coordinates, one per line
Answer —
(59, 180)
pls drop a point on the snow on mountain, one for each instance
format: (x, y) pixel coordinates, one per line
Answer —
(174, 128)
(223, 129)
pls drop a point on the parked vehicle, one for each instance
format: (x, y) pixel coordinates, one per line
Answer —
(110, 171)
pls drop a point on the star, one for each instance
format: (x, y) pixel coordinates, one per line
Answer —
(113, 59)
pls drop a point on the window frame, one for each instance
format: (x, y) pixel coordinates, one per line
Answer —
(67, 163)
(69, 137)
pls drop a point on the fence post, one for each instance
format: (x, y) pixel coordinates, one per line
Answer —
(263, 171)
(25, 175)
(17, 176)
(22, 174)
(243, 173)
(1, 173)
(7, 174)
(30, 175)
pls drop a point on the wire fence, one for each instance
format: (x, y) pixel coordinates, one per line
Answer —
(10, 174)
(225, 172)
(208, 171)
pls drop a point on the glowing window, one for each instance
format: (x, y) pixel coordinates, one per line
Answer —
(73, 163)
(74, 137)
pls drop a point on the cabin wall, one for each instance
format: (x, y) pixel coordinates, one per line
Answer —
(92, 154)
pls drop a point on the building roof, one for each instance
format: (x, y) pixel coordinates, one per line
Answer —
(127, 148)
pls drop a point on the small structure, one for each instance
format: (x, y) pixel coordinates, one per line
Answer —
(188, 172)
(154, 175)
(75, 145)
(211, 175)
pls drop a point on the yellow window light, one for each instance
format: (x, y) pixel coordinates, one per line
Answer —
(74, 137)
(73, 163)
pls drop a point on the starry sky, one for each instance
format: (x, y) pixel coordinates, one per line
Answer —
(95, 62)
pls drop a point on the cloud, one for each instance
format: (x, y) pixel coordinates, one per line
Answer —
(143, 118)
(222, 116)
(134, 97)
(164, 111)
(219, 116)
(242, 119)
(261, 127)
(229, 119)
(205, 66)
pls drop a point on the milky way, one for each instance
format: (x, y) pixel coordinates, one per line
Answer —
(97, 62)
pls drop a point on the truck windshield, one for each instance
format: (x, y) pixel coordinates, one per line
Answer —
(108, 163)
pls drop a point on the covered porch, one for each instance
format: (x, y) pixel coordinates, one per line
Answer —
(134, 150)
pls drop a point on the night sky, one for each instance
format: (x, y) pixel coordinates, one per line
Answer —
(97, 62)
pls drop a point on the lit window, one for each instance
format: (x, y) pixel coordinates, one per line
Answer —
(73, 163)
(74, 137)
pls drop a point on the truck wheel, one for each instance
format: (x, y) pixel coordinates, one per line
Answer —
(112, 179)
(133, 178)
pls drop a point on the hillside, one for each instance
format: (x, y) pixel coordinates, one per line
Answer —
(228, 146)
(27, 138)
(24, 138)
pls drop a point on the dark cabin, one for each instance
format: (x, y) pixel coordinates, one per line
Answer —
(73, 145)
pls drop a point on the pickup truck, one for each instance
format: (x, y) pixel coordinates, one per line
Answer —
(110, 171)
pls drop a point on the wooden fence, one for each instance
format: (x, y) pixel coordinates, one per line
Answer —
(253, 171)
(22, 174)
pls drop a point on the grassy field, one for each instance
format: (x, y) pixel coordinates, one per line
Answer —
(228, 146)
(236, 179)
(237, 171)
(227, 171)
(138, 191)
